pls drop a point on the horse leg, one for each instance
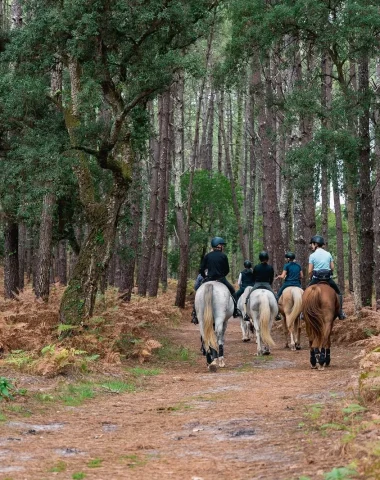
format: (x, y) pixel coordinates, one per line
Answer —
(258, 336)
(298, 329)
(220, 336)
(203, 350)
(328, 359)
(292, 340)
(314, 356)
(285, 331)
(245, 330)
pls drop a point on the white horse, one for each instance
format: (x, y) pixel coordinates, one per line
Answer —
(214, 306)
(290, 306)
(261, 307)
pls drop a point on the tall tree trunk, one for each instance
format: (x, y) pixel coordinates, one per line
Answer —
(42, 285)
(21, 254)
(339, 231)
(102, 216)
(11, 275)
(366, 206)
(62, 262)
(273, 241)
(147, 249)
(251, 187)
(235, 202)
(162, 194)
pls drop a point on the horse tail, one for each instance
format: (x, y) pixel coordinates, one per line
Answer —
(297, 306)
(313, 313)
(208, 319)
(265, 315)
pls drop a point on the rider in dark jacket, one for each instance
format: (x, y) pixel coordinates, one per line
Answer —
(263, 273)
(246, 279)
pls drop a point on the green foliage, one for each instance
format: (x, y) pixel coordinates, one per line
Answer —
(174, 353)
(342, 473)
(117, 386)
(59, 467)
(75, 395)
(95, 463)
(78, 476)
(19, 358)
(6, 388)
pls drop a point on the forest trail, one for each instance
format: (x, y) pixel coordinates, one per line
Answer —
(248, 421)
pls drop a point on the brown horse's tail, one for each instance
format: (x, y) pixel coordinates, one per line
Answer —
(313, 313)
(264, 318)
(208, 319)
(297, 306)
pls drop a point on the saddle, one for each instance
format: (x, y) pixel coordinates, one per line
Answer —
(321, 275)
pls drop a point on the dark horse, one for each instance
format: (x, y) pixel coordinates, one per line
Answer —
(320, 307)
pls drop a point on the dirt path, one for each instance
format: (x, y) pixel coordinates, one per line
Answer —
(244, 422)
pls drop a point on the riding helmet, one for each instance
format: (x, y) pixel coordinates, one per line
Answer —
(290, 255)
(263, 256)
(247, 264)
(217, 241)
(317, 239)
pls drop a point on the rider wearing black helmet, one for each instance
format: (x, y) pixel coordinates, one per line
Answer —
(217, 267)
(246, 279)
(291, 273)
(321, 267)
(263, 273)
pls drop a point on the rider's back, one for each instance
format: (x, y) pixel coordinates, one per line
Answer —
(320, 259)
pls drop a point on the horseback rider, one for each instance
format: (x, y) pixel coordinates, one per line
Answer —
(321, 267)
(291, 273)
(246, 279)
(263, 273)
(217, 267)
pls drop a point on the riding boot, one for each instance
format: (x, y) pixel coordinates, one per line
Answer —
(194, 318)
(237, 312)
(341, 314)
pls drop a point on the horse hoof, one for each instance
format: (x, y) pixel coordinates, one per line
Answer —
(298, 347)
(213, 367)
(246, 339)
(293, 348)
(266, 352)
(314, 367)
(221, 363)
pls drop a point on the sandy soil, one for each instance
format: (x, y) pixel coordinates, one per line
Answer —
(246, 421)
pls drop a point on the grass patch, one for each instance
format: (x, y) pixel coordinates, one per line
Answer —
(44, 397)
(60, 467)
(3, 418)
(19, 409)
(341, 473)
(144, 372)
(174, 353)
(75, 395)
(117, 386)
(95, 463)
(134, 460)
(314, 411)
(78, 476)
(333, 426)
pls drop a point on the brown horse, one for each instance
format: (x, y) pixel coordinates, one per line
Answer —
(290, 306)
(320, 307)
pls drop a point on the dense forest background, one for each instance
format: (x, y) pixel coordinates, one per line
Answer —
(131, 132)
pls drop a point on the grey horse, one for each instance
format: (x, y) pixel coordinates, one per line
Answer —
(214, 306)
(261, 307)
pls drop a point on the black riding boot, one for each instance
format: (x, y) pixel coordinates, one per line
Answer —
(341, 314)
(194, 318)
(237, 312)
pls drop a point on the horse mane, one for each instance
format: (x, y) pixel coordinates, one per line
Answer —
(312, 311)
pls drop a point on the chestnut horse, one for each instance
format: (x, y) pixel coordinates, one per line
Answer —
(290, 306)
(320, 307)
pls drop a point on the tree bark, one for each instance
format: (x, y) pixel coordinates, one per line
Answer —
(62, 262)
(21, 254)
(339, 232)
(366, 204)
(162, 193)
(42, 285)
(11, 274)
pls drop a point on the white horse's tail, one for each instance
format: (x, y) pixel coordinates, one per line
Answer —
(265, 315)
(208, 319)
(297, 306)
